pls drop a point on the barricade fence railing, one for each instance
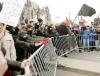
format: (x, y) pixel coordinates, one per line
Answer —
(89, 42)
(64, 44)
(43, 62)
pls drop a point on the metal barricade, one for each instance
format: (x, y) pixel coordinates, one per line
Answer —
(73, 42)
(92, 42)
(44, 61)
(64, 44)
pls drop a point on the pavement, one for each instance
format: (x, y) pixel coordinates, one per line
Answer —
(80, 64)
(62, 71)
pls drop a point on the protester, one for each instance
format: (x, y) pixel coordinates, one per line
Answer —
(81, 38)
(7, 45)
(92, 39)
(85, 34)
(62, 29)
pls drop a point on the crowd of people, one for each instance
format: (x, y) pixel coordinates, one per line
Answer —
(87, 36)
(18, 43)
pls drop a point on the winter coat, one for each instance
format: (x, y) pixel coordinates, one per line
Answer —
(86, 34)
(92, 36)
(7, 43)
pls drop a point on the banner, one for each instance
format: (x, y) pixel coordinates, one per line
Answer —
(86, 11)
(11, 11)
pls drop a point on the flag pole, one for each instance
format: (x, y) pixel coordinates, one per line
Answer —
(75, 18)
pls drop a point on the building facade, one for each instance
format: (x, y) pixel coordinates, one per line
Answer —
(33, 11)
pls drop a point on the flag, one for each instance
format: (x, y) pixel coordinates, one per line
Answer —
(86, 11)
(67, 21)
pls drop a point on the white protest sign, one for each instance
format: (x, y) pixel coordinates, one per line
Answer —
(11, 11)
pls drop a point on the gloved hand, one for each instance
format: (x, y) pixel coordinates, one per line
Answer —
(45, 41)
(25, 66)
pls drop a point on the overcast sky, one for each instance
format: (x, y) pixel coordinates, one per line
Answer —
(69, 8)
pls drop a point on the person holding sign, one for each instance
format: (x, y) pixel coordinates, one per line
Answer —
(7, 46)
(7, 43)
